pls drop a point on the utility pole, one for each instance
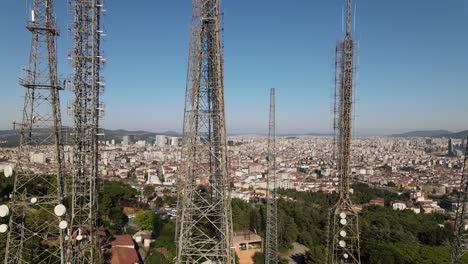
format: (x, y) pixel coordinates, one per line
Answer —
(460, 242)
(36, 224)
(343, 240)
(204, 221)
(83, 237)
(271, 238)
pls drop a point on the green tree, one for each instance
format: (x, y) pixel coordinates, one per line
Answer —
(167, 191)
(157, 258)
(146, 220)
(148, 193)
(117, 220)
(255, 220)
(259, 258)
(316, 255)
(165, 238)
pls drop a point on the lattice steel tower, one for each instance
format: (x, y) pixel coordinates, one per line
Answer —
(460, 243)
(83, 241)
(343, 241)
(271, 238)
(34, 235)
(204, 228)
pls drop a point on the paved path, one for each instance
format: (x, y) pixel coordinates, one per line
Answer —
(296, 254)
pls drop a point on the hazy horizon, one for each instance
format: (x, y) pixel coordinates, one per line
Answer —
(411, 71)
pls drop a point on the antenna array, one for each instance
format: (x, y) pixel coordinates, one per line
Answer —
(204, 222)
(35, 233)
(87, 59)
(343, 240)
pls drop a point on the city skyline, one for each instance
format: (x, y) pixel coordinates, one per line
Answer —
(420, 79)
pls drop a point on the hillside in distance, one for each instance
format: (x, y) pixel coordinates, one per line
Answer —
(424, 133)
(461, 134)
(434, 133)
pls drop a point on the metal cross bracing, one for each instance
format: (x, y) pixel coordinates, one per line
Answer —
(34, 235)
(83, 244)
(271, 237)
(204, 222)
(460, 243)
(343, 240)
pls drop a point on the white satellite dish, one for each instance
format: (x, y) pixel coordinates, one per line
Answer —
(3, 228)
(4, 210)
(345, 255)
(342, 215)
(342, 243)
(63, 224)
(33, 200)
(8, 171)
(60, 210)
(343, 233)
(343, 221)
(79, 237)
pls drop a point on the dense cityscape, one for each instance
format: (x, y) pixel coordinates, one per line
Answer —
(74, 192)
(421, 172)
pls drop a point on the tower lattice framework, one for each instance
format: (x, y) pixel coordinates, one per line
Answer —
(343, 240)
(34, 235)
(83, 244)
(271, 238)
(460, 243)
(204, 227)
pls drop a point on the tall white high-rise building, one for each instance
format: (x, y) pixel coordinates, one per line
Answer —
(174, 141)
(160, 141)
(125, 140)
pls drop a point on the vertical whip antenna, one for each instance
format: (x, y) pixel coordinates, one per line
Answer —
(271, 238)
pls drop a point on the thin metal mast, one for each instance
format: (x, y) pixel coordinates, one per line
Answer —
(343, 241)
(204, 228)
(271, 238)
(460, 242)
(88, 85)
(34, 235)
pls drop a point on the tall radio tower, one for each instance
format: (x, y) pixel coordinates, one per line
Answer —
(460, 243)
(343, 241)
(204, 228)
(36, 209)
(83, 245)
(271, 238)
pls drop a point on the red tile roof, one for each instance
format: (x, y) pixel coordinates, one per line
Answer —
(124, 256)
(123, 240)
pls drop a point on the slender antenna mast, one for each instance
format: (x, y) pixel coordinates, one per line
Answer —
(204, 222)
(460, 242)
(83, 241)
(34, 235)
(271, 243)
(343, 240)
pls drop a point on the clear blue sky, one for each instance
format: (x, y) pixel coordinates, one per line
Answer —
(413, 63)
